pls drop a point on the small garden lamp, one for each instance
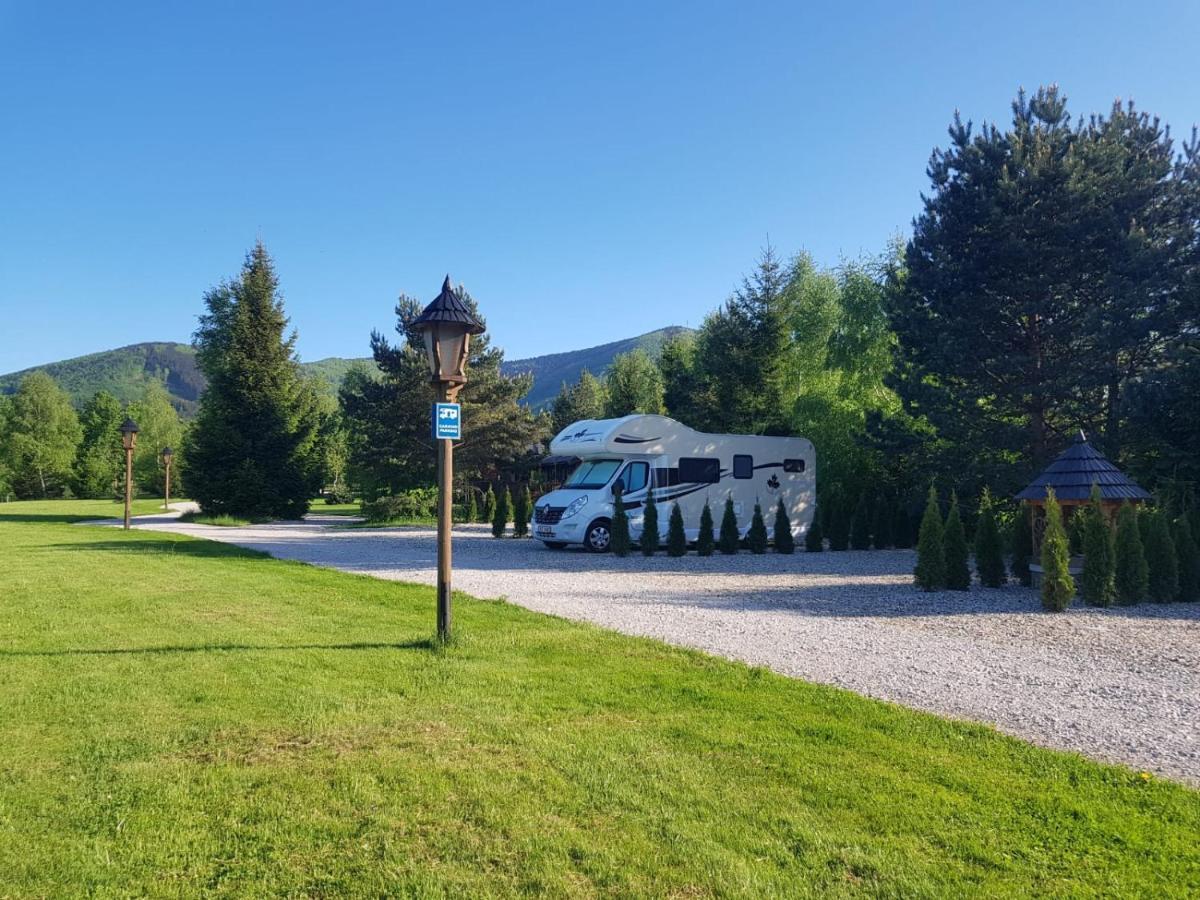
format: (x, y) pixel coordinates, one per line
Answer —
(447, 325)
(129, 433)
(168, 455)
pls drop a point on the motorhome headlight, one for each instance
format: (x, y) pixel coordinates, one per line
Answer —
(575, 506)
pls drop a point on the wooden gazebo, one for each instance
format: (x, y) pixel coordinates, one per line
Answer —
(1071, 476)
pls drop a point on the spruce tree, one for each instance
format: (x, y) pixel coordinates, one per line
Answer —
(1160, 558)
(1058, 587)
(955, 549)
(620, 541)
(930, 573)
(989, 547)
(756, 537)
(253, 449)
(881, 525)
(1189, 561)
(902, 527)
(1022, 545)
(730, 537)
(814, 540)
(471, 513)
(521, 513)
(860, 524)
(1132, 576)
(650, 537)
(1096, 582)
(489, 506)
(500, 516)
(676, 536)
(705, 542)
(785, 542)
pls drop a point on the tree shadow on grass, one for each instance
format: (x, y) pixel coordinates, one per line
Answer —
(424, 644)
(141, 544)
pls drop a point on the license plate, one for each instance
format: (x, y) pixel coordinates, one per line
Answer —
(548, 532)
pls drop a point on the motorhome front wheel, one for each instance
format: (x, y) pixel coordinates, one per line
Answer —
(598, 536)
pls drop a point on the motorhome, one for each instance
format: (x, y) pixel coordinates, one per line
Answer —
(641, 455)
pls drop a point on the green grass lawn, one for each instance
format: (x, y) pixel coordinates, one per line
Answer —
(183, 718)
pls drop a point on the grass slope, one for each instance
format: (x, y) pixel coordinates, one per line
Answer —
(183, 718)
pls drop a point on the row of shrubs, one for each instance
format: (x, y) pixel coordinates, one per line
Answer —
(728, 540)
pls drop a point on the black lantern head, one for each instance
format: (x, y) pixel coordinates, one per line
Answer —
(167, 454)
(447, 325)
(129, 433)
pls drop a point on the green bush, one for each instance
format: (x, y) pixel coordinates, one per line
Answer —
(418, 503)
(860, 524)
(1096, 583)
(620, 541)
(333, 496)
(1160, 558)
(881, 524)
(814, 540)
(1188, 555)
(839, 523)
(955, 549)
(705, 542)
(489, 506)
(930, 573)
(676, 536)
(756, 537)
(521, 513)
(729, 529)
(500, 516)
(650, 537)
(785, 542)
(471, 513)
(1058, 587)
(989, 546)
(1132, 576)
(1022, 545)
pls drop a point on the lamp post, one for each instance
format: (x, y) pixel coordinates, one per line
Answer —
(447, 325)
(129, 433)
(167, 456)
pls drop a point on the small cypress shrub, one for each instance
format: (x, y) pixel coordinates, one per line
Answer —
(1096, 582)
(814, 540)
(1075, 529)
(472, 511)
(901, 527)
(930, 573)
(955, 549)
(1160, 558)
(756, 537)
(989, 547)
(619, 541)
(881, 524)
(1132, 577)
(839, 524)
(784, 541)
(521, 514)
(676, 536)
(500, 516)
(729, 529)
(1058, 587)
(860, 524)
(1022, 545)
(1189, 561)
(650, 536)
(489, 505)
(705, 541)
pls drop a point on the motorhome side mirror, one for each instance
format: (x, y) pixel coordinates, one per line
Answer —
(618, 487)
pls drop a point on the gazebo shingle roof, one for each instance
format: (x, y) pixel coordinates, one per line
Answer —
(1075, 471)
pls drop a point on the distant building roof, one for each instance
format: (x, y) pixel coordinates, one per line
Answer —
(1075, 471)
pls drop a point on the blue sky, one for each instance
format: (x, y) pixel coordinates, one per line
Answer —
(590, 172)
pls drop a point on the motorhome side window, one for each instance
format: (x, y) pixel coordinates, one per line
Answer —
(743, 466)
(697, 470)
(636, 475)
(793, 465)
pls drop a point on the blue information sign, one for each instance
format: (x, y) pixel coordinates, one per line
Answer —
(447, 421)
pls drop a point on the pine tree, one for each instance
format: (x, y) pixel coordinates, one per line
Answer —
(881, 526)
(489, 506)
(785, 542)
(839, 524)
(902, 527)
(500, 516)
(1058, 587)
(1022, 546)
(814, 540)
(705, 542)
(860, 524)
(1189, 561)
(1096, 582)
(730, 537)
(676, 536)
(650, 537)
(1160, 558)
(620, 541)
(1132, 576)
(989, 548)
(471, 514)
(521, 513)
(756, 537)
(955, 549)
(930, 573)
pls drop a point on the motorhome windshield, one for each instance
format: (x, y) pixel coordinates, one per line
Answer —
(592, 474)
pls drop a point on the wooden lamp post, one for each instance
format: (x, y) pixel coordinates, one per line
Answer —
(447, 325)
(168, 455)
(129, 433)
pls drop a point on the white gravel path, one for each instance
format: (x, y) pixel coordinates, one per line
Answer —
(1121, 685)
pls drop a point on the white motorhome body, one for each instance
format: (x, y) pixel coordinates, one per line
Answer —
(680, 465)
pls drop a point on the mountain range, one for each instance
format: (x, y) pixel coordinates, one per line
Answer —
(126, 371)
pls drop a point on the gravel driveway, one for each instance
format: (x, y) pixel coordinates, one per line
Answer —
(1121, 685)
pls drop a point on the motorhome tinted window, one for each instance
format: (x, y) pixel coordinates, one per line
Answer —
(636, 475)
(699, 471)
(592, 474)
(743, 466)
(793, 465)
